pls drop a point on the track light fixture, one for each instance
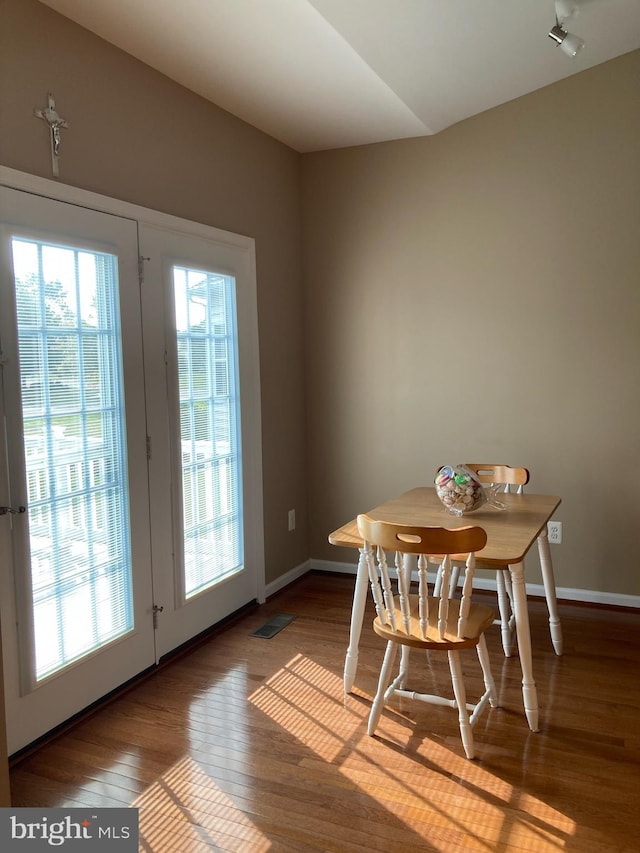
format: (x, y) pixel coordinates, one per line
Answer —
(568, 43)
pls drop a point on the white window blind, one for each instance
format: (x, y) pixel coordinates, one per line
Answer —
(207, 358)
(74, 436)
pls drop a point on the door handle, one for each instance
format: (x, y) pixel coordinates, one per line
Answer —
(9, 509)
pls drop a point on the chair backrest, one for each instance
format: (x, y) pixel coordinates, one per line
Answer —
(404, 541)
(513, 479)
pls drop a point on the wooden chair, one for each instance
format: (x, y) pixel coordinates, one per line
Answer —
(436, 624)
(503, 478)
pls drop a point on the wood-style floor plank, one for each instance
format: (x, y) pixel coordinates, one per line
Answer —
(249, 745)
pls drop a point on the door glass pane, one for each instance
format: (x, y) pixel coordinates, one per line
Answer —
(206, 340)
(75, 450)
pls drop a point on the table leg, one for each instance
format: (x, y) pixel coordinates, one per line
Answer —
(529, 691)
(357, 616)
(550, 590)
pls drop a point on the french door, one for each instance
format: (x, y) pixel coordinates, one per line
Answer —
(200, 323)
(130, 434)
(76, 579)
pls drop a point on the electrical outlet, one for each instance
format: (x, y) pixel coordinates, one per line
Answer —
(292, 520)
(554, 529)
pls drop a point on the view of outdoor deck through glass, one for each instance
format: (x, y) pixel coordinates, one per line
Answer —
(72, 397)
(209, 427)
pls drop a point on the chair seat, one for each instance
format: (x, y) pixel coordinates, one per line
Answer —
(479, 619)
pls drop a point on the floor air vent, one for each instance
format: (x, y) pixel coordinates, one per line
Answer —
(271, 628)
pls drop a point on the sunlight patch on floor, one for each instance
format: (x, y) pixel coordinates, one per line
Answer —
(307, 701)
(302, 698)
(185, 810)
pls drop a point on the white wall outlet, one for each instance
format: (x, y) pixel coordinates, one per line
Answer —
(292, 519)
(554, 529)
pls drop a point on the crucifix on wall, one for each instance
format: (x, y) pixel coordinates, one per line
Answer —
(56, 123)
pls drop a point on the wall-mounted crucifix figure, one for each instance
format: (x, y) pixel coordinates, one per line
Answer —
(55, 123)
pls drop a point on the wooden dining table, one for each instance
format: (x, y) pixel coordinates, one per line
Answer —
(510, 534)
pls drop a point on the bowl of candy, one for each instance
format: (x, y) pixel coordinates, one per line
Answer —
(458, 489)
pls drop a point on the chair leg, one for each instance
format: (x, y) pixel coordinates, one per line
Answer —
(460, 693)
(504, 606)
(489, 683)
(512, 620)
(383, 683)
(404, 666)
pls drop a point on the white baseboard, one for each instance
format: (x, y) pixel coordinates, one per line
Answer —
(563, 593)
(287, 578)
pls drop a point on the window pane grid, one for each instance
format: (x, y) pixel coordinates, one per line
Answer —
(75, 450)
(209, 427)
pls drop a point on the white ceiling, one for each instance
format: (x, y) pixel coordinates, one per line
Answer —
(320, 74)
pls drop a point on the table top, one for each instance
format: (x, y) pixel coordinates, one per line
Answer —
(510, 532)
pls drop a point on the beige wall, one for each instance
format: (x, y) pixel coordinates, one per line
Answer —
(137, 136)
(475, 296)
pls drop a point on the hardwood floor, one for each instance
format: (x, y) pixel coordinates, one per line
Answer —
(249, 745)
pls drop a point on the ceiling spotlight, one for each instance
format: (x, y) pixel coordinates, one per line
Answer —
(569, 44)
